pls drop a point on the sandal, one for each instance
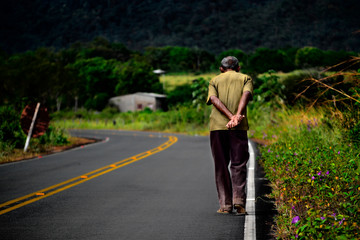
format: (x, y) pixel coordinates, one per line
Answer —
(240, 210)
(223, 211)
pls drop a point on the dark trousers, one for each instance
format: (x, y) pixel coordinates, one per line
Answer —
(230, 146)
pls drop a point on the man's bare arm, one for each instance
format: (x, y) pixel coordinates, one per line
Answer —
(221, 107)
(246, 97)
(240, 114)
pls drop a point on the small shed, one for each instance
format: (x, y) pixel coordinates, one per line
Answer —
(139, 101)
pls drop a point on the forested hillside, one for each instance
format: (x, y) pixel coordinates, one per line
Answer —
(211, 25)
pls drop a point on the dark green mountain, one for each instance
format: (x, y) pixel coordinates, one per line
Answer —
(207, 24)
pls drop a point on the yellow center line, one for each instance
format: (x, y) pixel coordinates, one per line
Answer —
(49, 191)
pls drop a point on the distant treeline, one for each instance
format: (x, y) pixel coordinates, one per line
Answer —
(211, 25)
(88, 74)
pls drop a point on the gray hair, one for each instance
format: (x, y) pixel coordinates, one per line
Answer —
(230, 62)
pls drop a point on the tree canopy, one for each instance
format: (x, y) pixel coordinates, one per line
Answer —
(214, 26)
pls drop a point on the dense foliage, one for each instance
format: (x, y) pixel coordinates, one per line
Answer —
(315, 174)
(84, 75)
(211, 25)
(88, 74)
(311, 155)
(178, 59)
(12, 136)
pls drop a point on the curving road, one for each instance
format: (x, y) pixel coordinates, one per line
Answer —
(131, 185)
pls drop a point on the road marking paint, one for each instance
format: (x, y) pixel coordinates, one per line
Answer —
(49, 191)
(250, 219)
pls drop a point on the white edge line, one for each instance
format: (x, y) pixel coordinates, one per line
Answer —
(250, 219)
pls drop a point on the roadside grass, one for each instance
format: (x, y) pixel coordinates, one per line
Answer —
(300, 73)
(314, 173)
(268, 124)
(36, 149)
(178, 120)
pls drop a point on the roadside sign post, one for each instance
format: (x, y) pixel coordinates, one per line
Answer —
(31, 127)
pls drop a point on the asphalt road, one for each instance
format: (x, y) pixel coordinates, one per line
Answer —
(139, 191)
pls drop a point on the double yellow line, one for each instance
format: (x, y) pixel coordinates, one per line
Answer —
(47, 192)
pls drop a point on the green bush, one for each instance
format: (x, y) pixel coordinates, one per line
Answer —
(54, 136)
(332, 58)
(97, 80)
(268, 89)
(97, 102)
(180, 95)
(199, 92)
(136, 76)
(309, 57)
(295, 82)
(265, 59)
(11, 134)
(354, 135)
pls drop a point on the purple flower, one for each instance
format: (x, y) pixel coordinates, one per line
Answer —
(338, 152)
(341, 221)
(323, 218)
(277, 156)
(274, 170)
(295, 154)
(313, 178)
(327, 173)
(295, 219)
(269, 151)
(309, 126)
(264, 135)
(319, 173)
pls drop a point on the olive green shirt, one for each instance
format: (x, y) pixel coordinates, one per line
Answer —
(229, 88)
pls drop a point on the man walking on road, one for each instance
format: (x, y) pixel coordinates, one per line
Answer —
(229, 93)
